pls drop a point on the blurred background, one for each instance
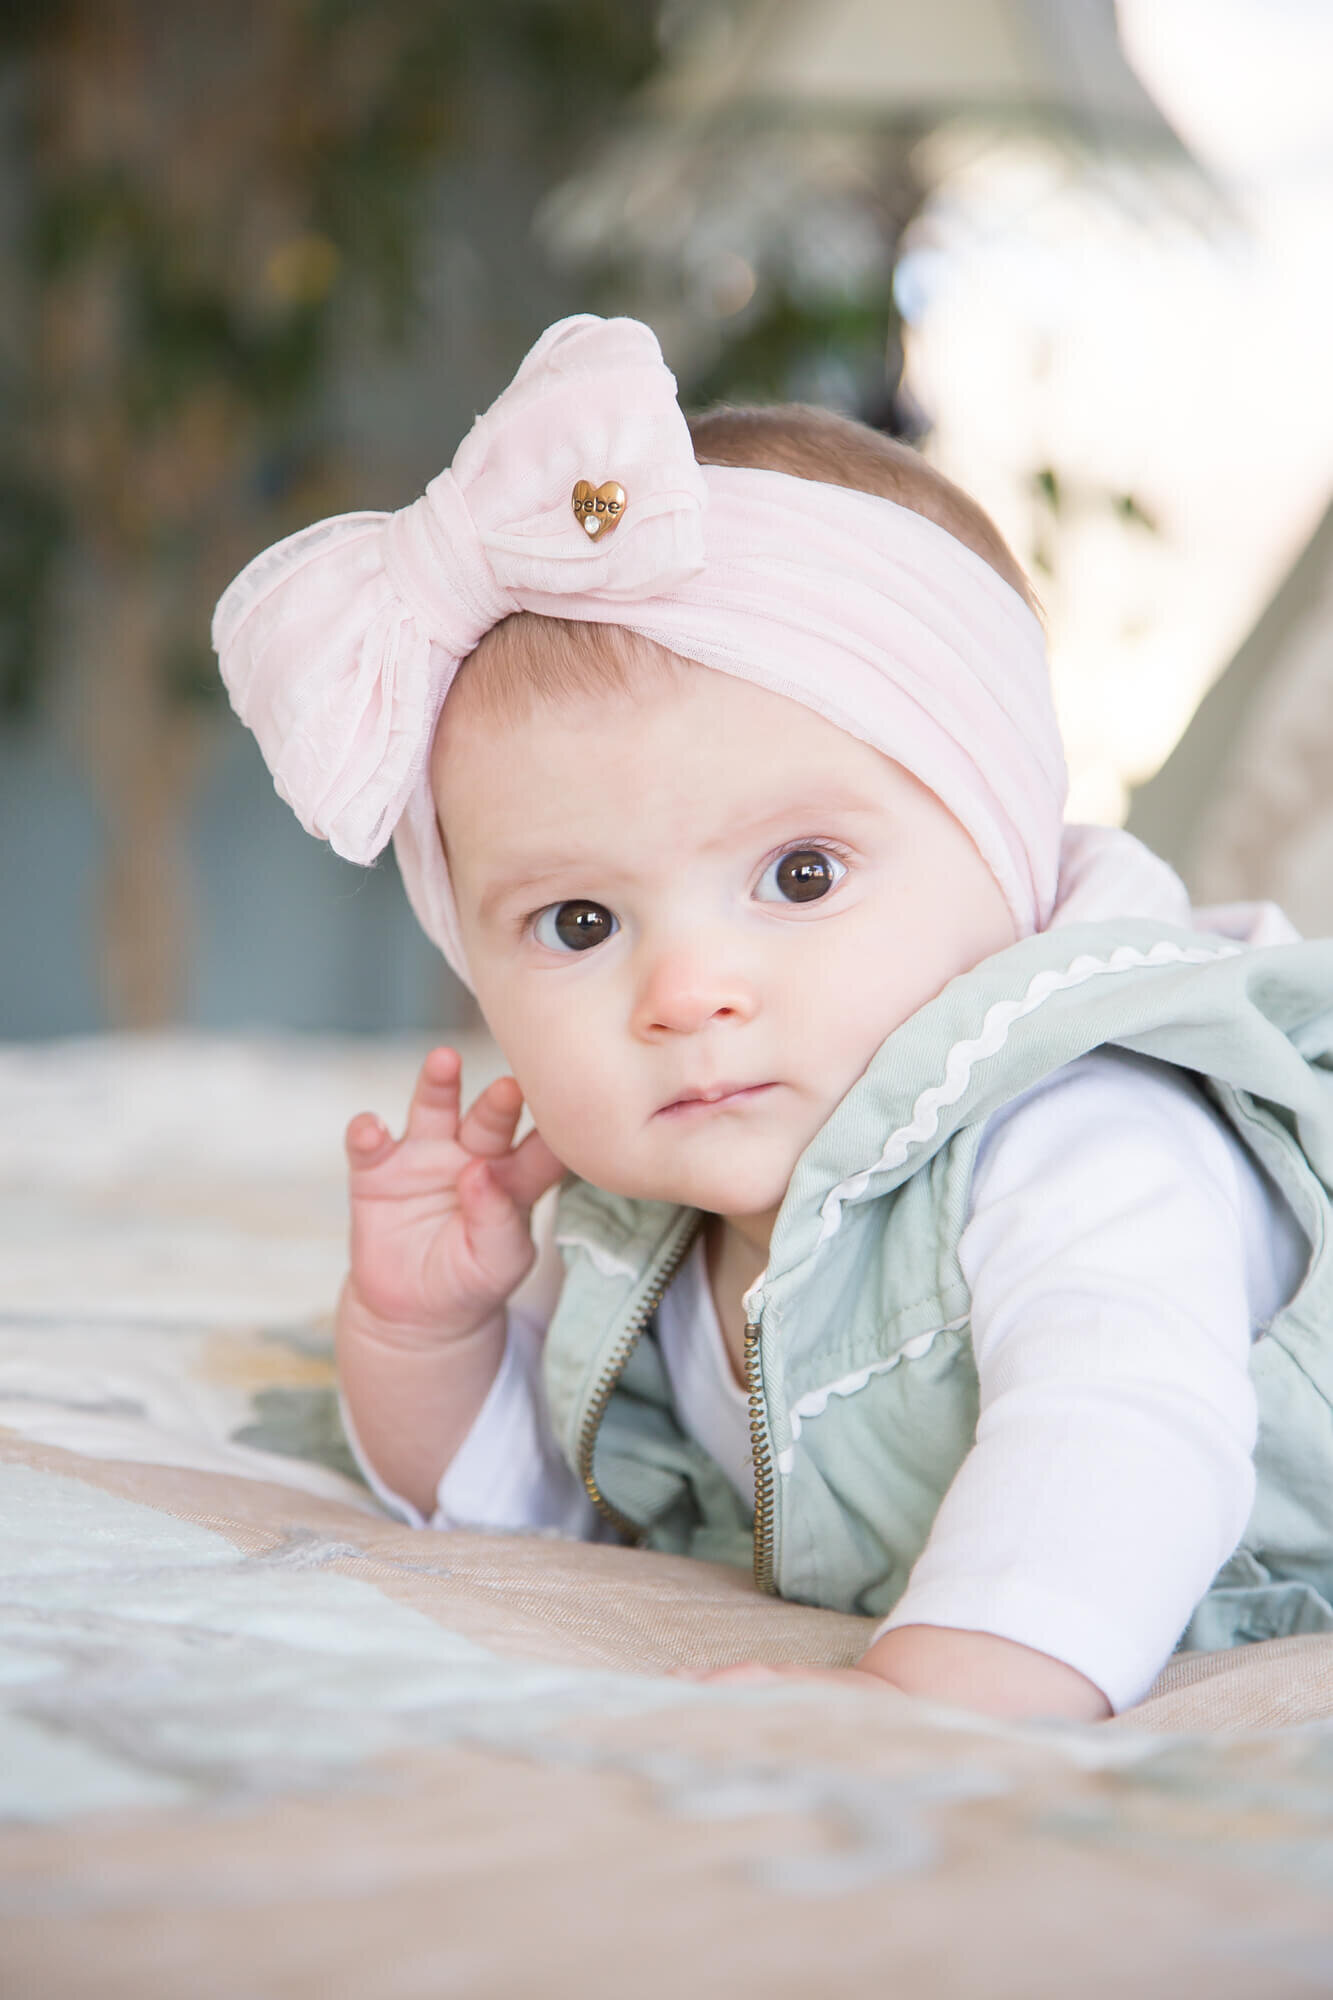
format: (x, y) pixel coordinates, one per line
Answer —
(263, 261)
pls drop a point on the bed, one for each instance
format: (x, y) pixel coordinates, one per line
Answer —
(256, 1738)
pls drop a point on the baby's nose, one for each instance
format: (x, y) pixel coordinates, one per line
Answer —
(682, 991)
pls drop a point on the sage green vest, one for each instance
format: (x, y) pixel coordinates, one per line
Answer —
(864, 1386)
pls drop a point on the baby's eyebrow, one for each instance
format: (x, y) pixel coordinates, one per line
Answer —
(803, 817)
(521, 883)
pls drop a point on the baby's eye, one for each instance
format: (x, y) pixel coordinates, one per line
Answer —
(801, 875)
(574, 926)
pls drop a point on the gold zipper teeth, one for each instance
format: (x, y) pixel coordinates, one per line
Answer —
(761, 1456)
(606, 1384)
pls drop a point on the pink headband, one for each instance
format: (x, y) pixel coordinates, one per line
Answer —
(339, 644)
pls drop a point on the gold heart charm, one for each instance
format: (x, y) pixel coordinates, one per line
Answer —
(598, 509)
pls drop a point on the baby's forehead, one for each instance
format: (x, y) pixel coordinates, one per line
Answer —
(531, 667)
(698, 760)
(599, 699)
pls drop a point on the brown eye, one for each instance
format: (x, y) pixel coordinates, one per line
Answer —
(802, 875)
(574, 926)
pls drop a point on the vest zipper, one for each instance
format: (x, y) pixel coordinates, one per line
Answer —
(761, 1457)
(610, 1376)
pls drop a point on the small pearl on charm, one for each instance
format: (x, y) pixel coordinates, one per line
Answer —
(600, 508)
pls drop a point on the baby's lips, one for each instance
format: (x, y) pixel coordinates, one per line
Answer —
(713, 1093)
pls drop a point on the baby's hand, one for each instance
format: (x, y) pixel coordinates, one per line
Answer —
(972, 1670)
(440, 1231)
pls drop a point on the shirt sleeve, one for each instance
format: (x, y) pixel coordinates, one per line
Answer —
(1112, 1471)
(508, 1472)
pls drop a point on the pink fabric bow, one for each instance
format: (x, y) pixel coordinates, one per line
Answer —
(338, 644)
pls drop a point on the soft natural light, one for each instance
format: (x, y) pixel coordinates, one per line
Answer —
(1134, 352)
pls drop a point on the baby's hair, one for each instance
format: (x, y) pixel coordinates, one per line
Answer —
(817, 444)
(529, 657)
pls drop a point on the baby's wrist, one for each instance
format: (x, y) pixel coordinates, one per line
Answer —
(979, 1670)
(412, 1390)
(360, 1323)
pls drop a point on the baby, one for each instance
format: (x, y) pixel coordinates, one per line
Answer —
(943, 1205)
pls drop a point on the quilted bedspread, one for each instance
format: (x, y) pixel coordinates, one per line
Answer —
(257, 1739)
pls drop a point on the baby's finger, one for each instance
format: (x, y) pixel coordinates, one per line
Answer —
(366, 1140)
(489, 1127)
(433, 1112)
(497, 1237)
(529, 1170)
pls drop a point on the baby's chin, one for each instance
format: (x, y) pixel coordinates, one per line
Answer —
(736, 1190)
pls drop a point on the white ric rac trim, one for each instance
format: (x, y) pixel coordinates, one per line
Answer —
(963, 1057)
(815, 1401)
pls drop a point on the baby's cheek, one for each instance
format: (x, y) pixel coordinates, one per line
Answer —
(844, 1012)
(567, 1096)
(575, 1129)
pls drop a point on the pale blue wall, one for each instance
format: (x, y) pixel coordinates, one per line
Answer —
(289, 933)
(49, 836)
(284, 935)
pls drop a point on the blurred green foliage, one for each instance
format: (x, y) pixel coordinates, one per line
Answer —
(1056, 504)
(32, 529)
(763, 358)
(171, 338)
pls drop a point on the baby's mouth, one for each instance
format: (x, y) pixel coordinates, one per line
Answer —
(713, 1097)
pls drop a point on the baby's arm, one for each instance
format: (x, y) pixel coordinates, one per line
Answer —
(972, 1670)
(1112, 1310)
(440, 1239)
(979, 1671)
(1118, 1255)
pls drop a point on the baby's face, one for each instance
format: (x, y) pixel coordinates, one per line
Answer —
(692, 914)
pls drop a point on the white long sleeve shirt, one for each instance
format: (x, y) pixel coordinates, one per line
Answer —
(1122, 1250)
